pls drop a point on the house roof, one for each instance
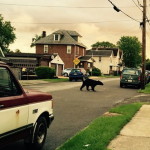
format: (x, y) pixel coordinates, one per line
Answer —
(72, 33)
(103, 53)
(85, 58)
(66, 38)
(115, 50)
(30, 55)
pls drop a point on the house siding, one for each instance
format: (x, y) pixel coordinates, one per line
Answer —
(103, 65)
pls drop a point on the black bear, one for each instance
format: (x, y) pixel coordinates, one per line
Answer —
(90, 82)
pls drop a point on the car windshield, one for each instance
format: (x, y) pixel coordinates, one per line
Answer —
(75, 70)
(132, 72)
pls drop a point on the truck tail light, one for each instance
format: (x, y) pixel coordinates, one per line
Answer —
(139, 78)
(120, 76)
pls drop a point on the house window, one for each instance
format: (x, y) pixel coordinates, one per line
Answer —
(56, 37)
(68, 49)
(45, 48)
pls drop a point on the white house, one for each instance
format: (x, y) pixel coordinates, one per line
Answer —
(57, 63)
(107, 60)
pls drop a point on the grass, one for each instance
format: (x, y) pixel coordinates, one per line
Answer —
(56, 80)
(146, 90)
(109, 76)
(102, 130)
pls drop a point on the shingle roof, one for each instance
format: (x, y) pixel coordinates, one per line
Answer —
(84, 58)
(66, 38)
(115, 50)
(99, 52)
(70, 32)
(29, 55)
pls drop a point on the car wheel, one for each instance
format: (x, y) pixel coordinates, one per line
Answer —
(38, 136)
(121, 85)
(66, 75)
(139, 86)
(70, 79)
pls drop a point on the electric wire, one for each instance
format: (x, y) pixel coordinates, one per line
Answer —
(51, 23)
(137, 5)
(117, 9)
(51, 6)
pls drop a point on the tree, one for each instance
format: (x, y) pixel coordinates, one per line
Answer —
(16, 51)
(148, 64)
(37, 37)
(132, 48)
(103, 45)
(7, 35)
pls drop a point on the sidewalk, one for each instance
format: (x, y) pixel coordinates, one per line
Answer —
(136, 134)
(31, 82)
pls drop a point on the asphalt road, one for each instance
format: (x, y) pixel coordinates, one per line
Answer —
(75, 109)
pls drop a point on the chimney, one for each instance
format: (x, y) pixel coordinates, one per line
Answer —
(43, 34)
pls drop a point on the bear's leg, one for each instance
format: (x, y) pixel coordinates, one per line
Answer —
(93, 88)
(83, 85)
(87, 87)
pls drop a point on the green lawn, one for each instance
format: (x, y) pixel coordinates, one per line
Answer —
(109, 76)
(146, 90)
(56, 80)
(102, 130)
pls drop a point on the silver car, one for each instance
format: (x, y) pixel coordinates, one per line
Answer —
(66, 72)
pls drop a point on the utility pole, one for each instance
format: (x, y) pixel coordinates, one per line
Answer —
(143, 44)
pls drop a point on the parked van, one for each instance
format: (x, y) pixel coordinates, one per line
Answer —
(130, 77)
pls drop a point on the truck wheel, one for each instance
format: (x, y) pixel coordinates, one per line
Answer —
(121, 85)
(39, 135)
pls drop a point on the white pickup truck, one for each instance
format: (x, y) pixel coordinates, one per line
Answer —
(23, 115)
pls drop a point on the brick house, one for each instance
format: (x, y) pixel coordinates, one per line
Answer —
(63, 42)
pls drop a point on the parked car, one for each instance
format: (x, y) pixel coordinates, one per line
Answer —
(24, 115)
(130, 77)
(78, 73)
(66, 72)
(147, 72)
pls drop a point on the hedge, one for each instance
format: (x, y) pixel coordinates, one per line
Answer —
(44, 72)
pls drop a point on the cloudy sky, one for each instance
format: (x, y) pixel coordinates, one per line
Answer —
(95, 20)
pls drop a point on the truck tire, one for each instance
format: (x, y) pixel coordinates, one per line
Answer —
(121, 85)
(39, 135)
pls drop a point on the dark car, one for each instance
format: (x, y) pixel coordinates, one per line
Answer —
(76, 74)
(130, 77)
(147, 76)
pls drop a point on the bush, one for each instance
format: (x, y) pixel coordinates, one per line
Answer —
(45, 72)
(96, 72)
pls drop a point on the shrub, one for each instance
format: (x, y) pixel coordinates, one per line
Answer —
(45, 72)
(96, 72)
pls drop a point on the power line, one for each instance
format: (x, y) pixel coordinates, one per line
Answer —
(48, 23)
(55, 6)
(119, 10)
(137, 5)
(140, 9)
